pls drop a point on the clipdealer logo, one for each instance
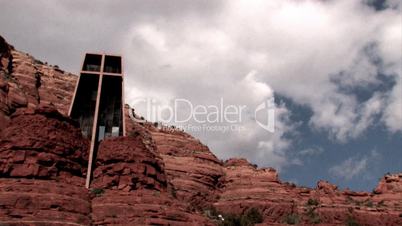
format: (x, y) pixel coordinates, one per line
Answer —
(268, 106)
(226, 116)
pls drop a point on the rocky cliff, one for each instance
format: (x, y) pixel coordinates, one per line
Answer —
(43, 160)
(279, 202)
(154, 176)
(193, 171)
(27, 82)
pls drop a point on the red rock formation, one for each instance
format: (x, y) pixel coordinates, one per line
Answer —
(133, 186)
(127, 163)
(42, 164)
(192, 169)
(5, 54)
(43, 160)
(43, 202)
(142, 207)
(246, 187)
(390, 184)
(27, 82)
(42, 143)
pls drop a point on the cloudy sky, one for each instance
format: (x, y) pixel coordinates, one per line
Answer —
(333, 67)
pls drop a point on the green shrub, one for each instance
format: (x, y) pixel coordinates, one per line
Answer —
(231, 220)
(358, 203)
(173, 192)
(351, 221)
(38, 62)
(313, 217)
(249, 218)
(369, 203)
(313, 202)
(292, 219)
(97, 191)
(381, 203)
(134, 133)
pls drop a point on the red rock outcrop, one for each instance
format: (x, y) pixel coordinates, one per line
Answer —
(42, 143)
(142, 207)
(132, 189)
(43, 202)
(27, 82)
(42, 164)
(390, 184)
(128, 163)
(43, 160)
(246, 187)
(192, 169)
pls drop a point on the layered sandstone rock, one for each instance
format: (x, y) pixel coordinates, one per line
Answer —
(43, 202)
(132, 189)
(27, 82)
(42, 164)
(246, 187)
(42, 143)
(128, 163)
(43, 160)
(390, 184)
(192, 170)
(142, 207)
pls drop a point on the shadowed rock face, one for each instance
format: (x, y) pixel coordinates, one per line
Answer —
(153, 176)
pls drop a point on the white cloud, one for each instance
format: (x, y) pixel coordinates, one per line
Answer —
(273, 151)
(152, 37)
(296, 47)
(349, 168)
(354, 166)
(251, 49)
(393, 112)
(390, 42)
(241, 51)
(311, 151)
(259, 89)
